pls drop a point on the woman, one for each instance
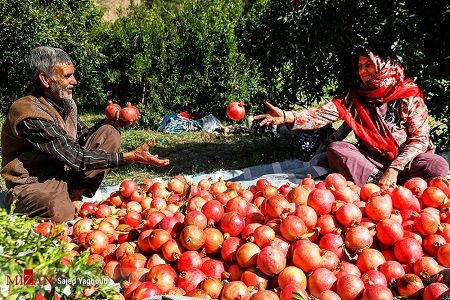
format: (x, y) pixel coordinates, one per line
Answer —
(389, 118)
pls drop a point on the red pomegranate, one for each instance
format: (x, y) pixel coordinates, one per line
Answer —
(236, 111)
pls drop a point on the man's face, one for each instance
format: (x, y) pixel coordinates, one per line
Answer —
(62, 82)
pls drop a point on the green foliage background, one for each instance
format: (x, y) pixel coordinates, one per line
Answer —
(198, 55)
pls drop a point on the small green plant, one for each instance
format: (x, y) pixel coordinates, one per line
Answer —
(25, 253)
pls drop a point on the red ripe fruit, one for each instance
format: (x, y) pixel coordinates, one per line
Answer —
(44, 228)
(236, 111)
(127, 187)
(112, 109)
(129, 114)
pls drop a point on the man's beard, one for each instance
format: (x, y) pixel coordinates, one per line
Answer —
(57, 89)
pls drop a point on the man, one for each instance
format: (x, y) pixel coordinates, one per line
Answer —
(49, 157)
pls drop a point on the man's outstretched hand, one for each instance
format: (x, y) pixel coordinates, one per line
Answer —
(142, 155)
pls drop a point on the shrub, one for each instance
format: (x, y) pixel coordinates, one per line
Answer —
(186, 60)
(304, 47)
(61, 23)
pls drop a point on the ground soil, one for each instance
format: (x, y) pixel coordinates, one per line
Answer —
(113, 8)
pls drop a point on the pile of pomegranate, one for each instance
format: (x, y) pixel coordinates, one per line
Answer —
(128, 114)
(327, 239)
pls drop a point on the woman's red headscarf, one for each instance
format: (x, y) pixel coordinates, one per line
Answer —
(387, 85)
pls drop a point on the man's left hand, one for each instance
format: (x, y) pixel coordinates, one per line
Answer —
(142, 155)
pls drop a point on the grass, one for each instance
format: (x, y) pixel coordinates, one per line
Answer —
(191, 153)
(196, 152)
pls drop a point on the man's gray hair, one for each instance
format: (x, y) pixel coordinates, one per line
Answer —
(43, 58)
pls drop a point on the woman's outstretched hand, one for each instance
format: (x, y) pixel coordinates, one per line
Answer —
(275, 116)
(388, 179)
(142, 155)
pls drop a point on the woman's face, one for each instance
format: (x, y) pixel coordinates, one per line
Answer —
(366, 68)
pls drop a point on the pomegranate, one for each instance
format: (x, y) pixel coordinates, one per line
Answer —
(409, 285)
(271, 261)
(443, 255)
(426, 223)
(321, 200)
(292, 292)
(416, 185)
(321, 280)
(130, 263)
(403, 198)
(392, 270)
(195, 217)
(379, 207)
(307, 214)
(349, 287)
(292, 275)
(192, 237)
(214, 240)
(425, 267)
(176, 185)
(155, 259)
(214, 211)
(432, 243)
(368, 190)
(157, 238)
(127, 187)
(189, 260)
(434, 197)
(146, 290)
(44, 228)
(97, 241)
(332, 242)
(138, 275)
(264, 295)
(358, 238)
(263, 235)
(408, 250)
(389, 231)
(212, 286)
(348, 214)
(164, 276)
(377, 292)
(112, 270)
(112, 110)
(335, 180)
(247, 254)
(190, 279)
(442, 183)
(435, 290)
(369, 259)
(171, 250)
(129, 114)
(305, 248)
(372, 277)
(276, 206)
(133, 218)
(292, 228)
(232, 223)
(327, 224)
(236, 111)
(229, 248)
(214, 268)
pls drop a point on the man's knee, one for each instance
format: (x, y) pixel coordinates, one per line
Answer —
(60, 211)
(107, 138)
